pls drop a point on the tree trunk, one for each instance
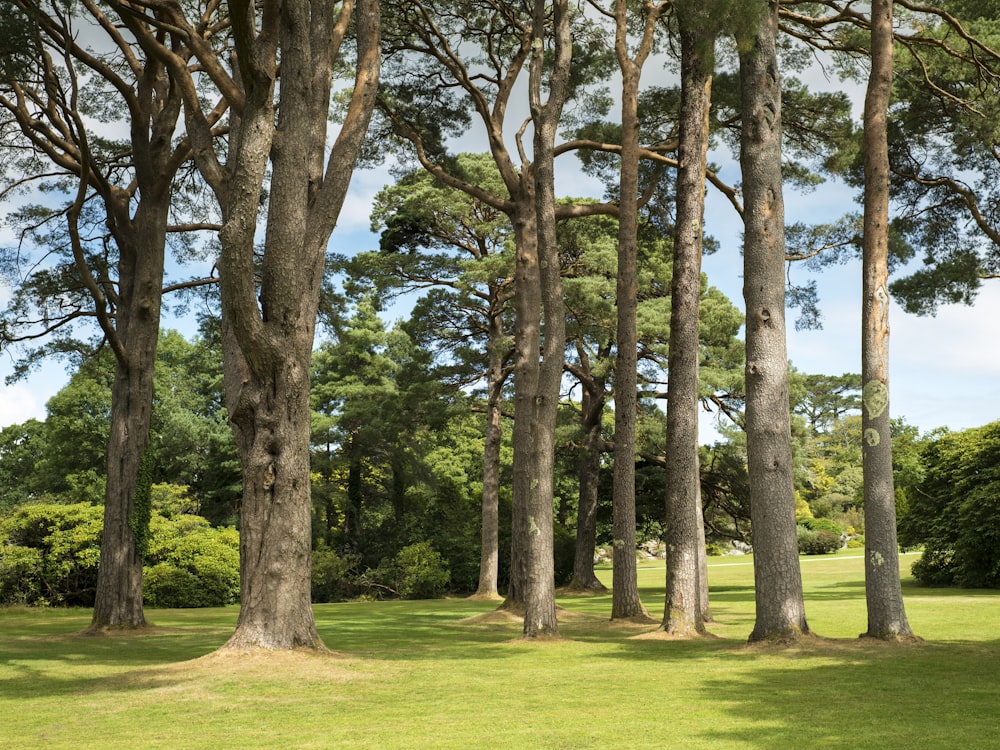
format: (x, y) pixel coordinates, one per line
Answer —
(685, 545)
(584, 578)
(532, 576)
(268, 329)
(489, 559)
(780, 611)
(542, 272)
(118, 601)
(625, 601)
(886, 614)
(703, 597)
(270, 413)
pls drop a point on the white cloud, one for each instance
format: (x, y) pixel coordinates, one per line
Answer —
(19, 403)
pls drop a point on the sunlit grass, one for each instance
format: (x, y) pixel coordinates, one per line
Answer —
(452, 674)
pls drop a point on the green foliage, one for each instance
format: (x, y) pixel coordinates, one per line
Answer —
(334, 576)
(955, 511)
(817, 542)
(416, 572)
(191, 564)
(50, 554)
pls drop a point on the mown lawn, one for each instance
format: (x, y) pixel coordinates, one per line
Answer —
(451, 674)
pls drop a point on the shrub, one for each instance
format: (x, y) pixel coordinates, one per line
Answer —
(334, 576)
(191, 564)
(416, 572)
(50, 554)
(819, 542)
(824, 524)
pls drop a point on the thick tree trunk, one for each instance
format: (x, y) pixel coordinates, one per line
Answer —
(271, 416)
(886, 614)
(584, 578)
(685, 545)
(489, 559)
(268, 329)
(780, 607)
(532, 584)
(118, 602)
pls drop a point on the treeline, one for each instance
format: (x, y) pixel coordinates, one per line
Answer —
(397, 466)
(203, 132)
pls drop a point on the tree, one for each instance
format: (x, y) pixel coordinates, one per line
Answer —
(780, 610)
(268, 326)
(423, 108)
(421, 213)
(886, 614)
(625, 602)
(683, 609)
(53, 88)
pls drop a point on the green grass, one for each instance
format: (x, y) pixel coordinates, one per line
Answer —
(433, 674)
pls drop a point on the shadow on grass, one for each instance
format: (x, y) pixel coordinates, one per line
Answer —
(859, 694)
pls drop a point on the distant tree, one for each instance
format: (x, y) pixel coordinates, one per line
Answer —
(435, 236)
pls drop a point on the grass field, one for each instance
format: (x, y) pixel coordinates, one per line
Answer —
(449, 674)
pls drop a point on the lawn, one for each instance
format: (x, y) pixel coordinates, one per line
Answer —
(451, 674)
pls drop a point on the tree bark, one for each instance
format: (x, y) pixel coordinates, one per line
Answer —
(489, 559)
(118, 601)
(592, 408)
(268, 344)
(780, 608)
(886, 614)
(683, 610)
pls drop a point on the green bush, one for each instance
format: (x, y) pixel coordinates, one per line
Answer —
(819, 542)
(334, 576)
(416, 572)
(954, 514)
(191, 564)
(50, 554)
(823, 524)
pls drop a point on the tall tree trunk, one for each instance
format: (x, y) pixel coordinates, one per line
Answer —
(584, 578)
(489, 559)
(540, 605)
(683, 610)
(527, 340)
(625, 601)
(118, 601)
(268, 331)
(886, 614)
(780, 610)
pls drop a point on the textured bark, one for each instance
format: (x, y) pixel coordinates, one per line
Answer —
(118, 601)
(268, 344)
(886, 614)
(685, 545)
(489, 559)
(780, 609)
(625, 601)
(592, 408)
